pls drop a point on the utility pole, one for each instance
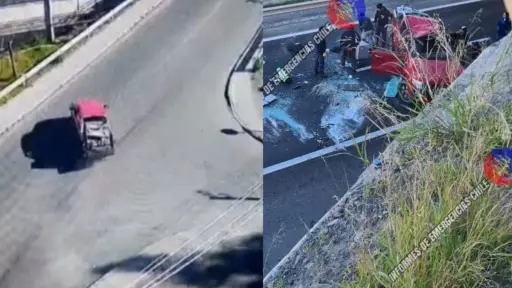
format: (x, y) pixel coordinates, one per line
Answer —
(48, 20)
(13, 61)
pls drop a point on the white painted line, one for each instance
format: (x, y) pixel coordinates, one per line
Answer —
(479, 40)
(269, 99)
(363, 68)
(289, 35)
(328, 150)
(449, 5)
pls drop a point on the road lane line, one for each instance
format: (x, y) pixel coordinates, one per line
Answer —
(449, 5)
(289, 35)
(363, 68)
(331, 149)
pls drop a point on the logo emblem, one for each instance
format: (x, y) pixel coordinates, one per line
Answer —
(343, 12)
(498, 166)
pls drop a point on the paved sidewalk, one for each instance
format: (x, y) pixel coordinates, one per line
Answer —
(247, 100)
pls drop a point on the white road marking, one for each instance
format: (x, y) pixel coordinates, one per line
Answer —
(331, 149)
(363, 68)
(269, 99)
(449, 5)
(289, 35)
(479, 40)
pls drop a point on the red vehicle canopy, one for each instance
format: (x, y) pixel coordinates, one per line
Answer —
(91, 108)
(440, 73)
(420, 26)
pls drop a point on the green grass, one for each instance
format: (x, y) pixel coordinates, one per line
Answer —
(24, 59)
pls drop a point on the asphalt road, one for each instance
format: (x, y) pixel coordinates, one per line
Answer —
(302, 194)
(297, 197)
(301, 108)
(164, 84)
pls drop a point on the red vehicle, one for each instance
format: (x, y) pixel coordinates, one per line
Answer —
(417, 55)
(90, 118)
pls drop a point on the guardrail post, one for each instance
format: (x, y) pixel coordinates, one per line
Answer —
(48, 20)
(13, 62)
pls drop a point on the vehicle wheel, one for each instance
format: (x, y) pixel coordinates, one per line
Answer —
(402, 93)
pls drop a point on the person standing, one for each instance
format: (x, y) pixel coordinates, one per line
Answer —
(382, 18)
(321, 49)
(504, 26)
(367, 30)
(348, 44)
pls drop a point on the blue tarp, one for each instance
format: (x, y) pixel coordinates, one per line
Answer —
(392, 87)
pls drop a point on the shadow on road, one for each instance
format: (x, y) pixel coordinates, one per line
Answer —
(52, 144)
(231, 132)
(238, 264)
(225, 196)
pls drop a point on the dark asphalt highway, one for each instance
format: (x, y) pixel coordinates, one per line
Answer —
(297, 197)
(165, 85)
(303, 193)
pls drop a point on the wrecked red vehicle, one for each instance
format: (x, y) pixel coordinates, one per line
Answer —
(93, 127)
(418, 55)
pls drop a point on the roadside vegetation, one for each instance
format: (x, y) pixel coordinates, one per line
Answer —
(439, 166)
(440, 162)
(25, 58)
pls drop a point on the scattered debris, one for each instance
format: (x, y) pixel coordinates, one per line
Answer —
(392, 87)
(269, 99)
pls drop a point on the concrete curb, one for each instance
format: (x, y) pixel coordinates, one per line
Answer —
(254, 59)
(247, 103)
(257, 135)
(80, 39)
